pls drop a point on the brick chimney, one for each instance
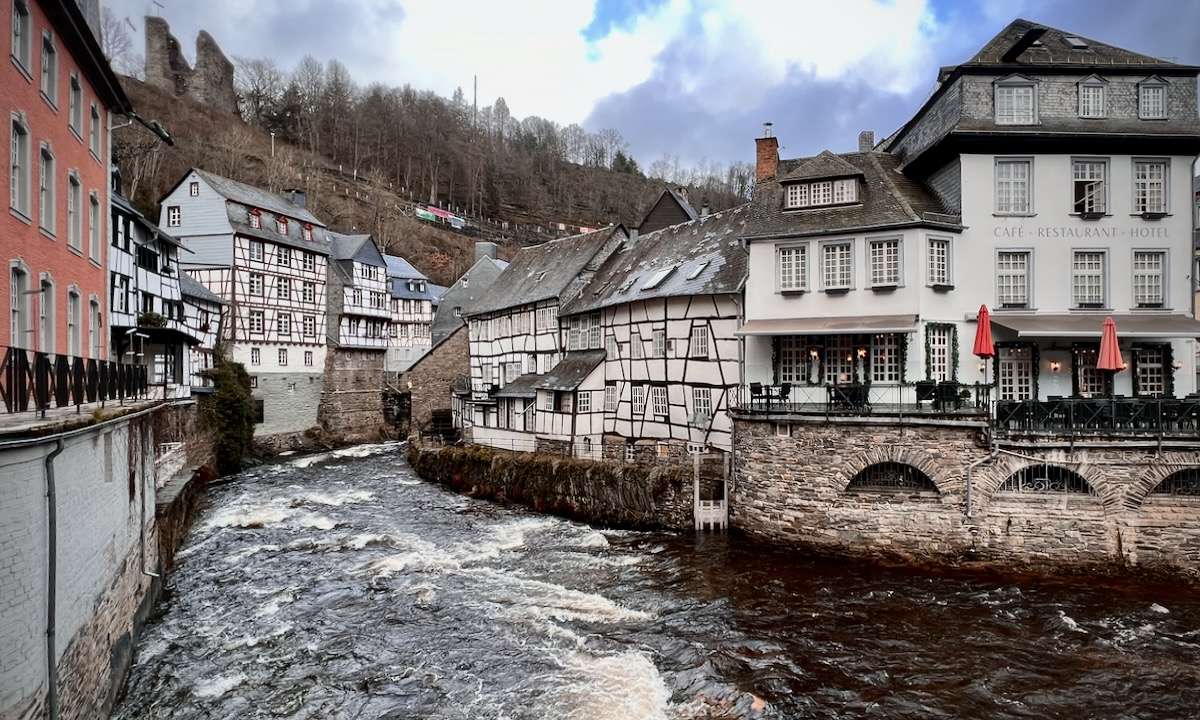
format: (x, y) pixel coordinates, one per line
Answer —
(766, 159)
(866, 141)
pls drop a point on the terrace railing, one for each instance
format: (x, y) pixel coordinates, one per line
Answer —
(1101, 416)
(37, 381)
(855, 399)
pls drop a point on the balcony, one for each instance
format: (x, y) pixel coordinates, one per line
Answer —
(928, 399)
(1082, 417)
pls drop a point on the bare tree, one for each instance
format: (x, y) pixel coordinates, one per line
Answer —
(260, 86)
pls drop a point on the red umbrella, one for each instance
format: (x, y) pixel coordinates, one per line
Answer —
(983, 334)
(1110, 354)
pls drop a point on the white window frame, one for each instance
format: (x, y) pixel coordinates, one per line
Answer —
(94, 226)
(75, 104)
(47, 197)
(283, 324)
(74, 211)
(826, 247)
(883, 273)
(939, 339)
(702, 402)
(21, 37)
(1013, 85)
(94, 140)
(255, 250)
(698, 343)
(885, 359)
(583, 401)
(1027, 274)
(1014, 183)
(283, 358)
(255, 322)
(1015, 372)
(1149, 184)
(1093, 108)
(256, 284)
(20, 166)
(1162, 275)
(1083, 171)
(1095, 279)
(659, 403)
(612, 396)
(658, 343)
(637, 350)
(791, 268)
(638, 398)
(48, 83)
(939, 275)
(1146, 111)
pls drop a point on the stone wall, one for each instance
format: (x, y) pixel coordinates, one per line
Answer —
(615, 494)
(792, 487)
(210, 82)
(290, 402)
(429, 380)
(351, 407)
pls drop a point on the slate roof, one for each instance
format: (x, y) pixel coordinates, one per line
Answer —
(825, 165)
(257, 197)
(480, 277)
(347, 247)
(888, 198)
(522, 387)
(399, 267)
(542, 272)
(239, 220)
(1052, 48)
(708, 247)
(437, 291)
(572, 370)
(190, 287)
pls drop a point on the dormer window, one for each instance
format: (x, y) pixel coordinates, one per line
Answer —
(821, 193)
(255, 219)
(307, 232)
(1092, 98)
(281, 225)
(1152, 99)
(1016, 101)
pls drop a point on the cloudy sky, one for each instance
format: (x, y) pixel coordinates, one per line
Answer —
(690, 78)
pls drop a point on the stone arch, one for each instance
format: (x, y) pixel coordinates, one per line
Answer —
(989, 484)
(890, 476)
(900, 455)
(1145, 485)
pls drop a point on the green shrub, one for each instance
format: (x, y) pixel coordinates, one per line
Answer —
(229, 413)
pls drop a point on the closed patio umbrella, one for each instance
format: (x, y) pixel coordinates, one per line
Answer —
(984, 347)
(1109, 357)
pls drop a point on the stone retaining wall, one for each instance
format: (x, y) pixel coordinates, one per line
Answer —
(615, 494)
(351, 406)
(793, 489)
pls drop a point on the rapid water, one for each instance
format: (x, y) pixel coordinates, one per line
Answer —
(341, 586)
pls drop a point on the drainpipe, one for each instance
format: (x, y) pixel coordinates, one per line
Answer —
(51, 581)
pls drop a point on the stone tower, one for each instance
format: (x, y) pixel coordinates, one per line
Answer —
(210, 82)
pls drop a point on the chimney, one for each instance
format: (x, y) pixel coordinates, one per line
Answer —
(766, 162)
(704, 209)
(483, 249)
(866, 141)
(296, 197)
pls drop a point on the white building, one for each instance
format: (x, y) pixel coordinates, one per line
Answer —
(358, 312)
(516, 344)
(202, 310)
(266, 257)
(411, 302)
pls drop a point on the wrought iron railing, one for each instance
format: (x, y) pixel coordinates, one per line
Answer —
(37, 381)
(1100, 416)
(925, 398)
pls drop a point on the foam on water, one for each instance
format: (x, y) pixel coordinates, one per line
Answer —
(623, 686)
(249, 517)
(218, 686)
(544, 600)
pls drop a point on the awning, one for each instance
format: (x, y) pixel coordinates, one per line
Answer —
(1129, 325)
(572, 370)
(862, 324)
(521, 387)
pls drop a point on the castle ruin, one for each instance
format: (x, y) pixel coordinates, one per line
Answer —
(210, 82)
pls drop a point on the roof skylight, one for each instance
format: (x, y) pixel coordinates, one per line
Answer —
(1076, 43)
(699, 269)
(657, 278)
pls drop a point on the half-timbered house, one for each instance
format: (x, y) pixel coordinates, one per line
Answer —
(266, 256)
(516, 344)
(202, 318)
(467, 290)
(411, 302)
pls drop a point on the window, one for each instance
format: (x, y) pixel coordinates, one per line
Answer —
(1148, 273)
(256, 284)
(1015, 369)
(639, 400)
(783, 430)
(46, 190)
(658, 396)
(1045, 479)
(22, 32)
(1013, 185)
(1087, 279)
(547, 399)
(939, 362)
(281, 224)
(610, 346)
(823, 192)
(1151, 371)
(309, 262)
(283, 288)
(792, 267)
(74, 324)
(636, 350)
(255, 356)
(255, 321)
(75, 105)
(885, 358)
(94, 132)
(47, 317)
(793, 360)
(94, 334)
(940, 274)
(1016, 104)
(282, 357)
(1089, 190)
(194, 189)
(283, 323)
(885, 263)
(74, 212)
(307, 232)
(702, 402)
(1012, 279)
(18, 168)
(698, 348)
(891, 477)
(1152, 101)
(610, 397)
(1089, 381)
(546, 318)
(583, 402)
(1091, 100)
(837, 266)
(94, 226)
(49, 69)
(255, 220)
(256, 249)
(839, 360)
(1150, 186)
(308, 292)
(308, 358)
(253, 382)
(658, 343)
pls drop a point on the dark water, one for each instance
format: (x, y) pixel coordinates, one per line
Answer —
(346, 588)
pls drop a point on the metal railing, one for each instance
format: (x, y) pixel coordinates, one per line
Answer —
(38, 381)
(856, 399)
(1101, 416)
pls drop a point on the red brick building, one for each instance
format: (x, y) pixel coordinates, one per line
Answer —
(59, 97)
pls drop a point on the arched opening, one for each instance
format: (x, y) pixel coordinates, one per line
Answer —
(891, 477)
(1047, 479)
(1184, 482)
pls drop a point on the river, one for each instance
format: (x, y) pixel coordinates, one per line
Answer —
(342, 586)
